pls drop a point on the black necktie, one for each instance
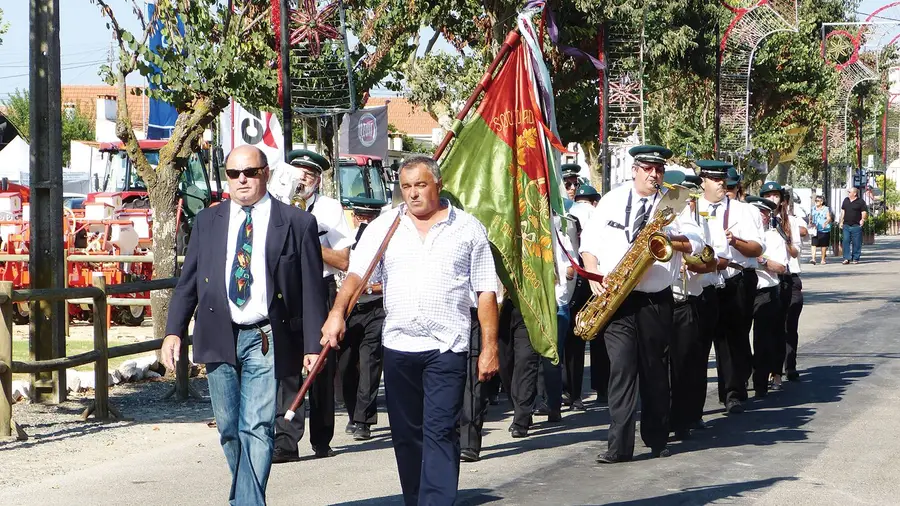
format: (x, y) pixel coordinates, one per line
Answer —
(640, 219)
(715, 207)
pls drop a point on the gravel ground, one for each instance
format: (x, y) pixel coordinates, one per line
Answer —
(58, 439)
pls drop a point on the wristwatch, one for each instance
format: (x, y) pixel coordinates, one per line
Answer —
(369, 290)
(764, 261)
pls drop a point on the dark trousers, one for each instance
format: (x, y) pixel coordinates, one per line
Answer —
(768, 337)
(637, 339)
(792, 323)
(708, 314)
(599, 369)
(573, 373)
(732, 339)
(518, 364)
(475, 399)
(321, 403)
(688, 365)
(359, 362)
(424, 394)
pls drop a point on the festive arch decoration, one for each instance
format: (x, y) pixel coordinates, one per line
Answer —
(749, 26)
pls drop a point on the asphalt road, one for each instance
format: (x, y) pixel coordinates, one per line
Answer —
(829, 439)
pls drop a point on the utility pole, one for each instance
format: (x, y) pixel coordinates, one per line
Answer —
(286, 111)
(46, 264)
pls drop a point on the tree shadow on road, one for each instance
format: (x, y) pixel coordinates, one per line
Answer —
(781, 416)
(703, 495)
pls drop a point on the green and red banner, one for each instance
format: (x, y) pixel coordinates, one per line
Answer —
(498, 171)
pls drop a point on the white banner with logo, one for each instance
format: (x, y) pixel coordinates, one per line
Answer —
(247, 125)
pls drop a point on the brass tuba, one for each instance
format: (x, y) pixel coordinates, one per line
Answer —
(651, 245)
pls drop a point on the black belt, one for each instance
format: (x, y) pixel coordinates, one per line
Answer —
(360, 306)
(250, 326)
(329, 279)
(688, 300)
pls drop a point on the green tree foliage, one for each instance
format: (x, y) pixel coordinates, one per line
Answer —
(76, 125)
(222, 53)
(4, 26)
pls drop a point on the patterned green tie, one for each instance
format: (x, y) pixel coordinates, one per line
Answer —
(241, 278)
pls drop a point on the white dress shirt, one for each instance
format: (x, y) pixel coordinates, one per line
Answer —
(428, 282)
(334, 231)
(744, 222)
(796, 224)
(583, 211)
(608, 237)
(776, 250)
(256, 308)
(694, 282)
(564, 287)
(364, 297)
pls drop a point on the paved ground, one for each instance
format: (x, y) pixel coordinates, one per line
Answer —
(827, 440)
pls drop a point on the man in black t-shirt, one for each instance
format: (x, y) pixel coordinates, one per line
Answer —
(853, 215)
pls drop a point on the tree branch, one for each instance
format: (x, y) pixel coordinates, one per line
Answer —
(106, 10)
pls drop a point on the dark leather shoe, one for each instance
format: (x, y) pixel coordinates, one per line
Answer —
(608, 458)
(578, 405)
(350, 428)
(554, 416)
(733, 407)
(682, 434)
(700, 425)
(363, 432)
(660, 453)
(793, 376)
(541, 410)
(469, 455)
(518, 432)
(323, 452)
(280, 456)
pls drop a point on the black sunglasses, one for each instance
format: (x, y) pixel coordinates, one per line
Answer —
(570, 184)
(249, 172)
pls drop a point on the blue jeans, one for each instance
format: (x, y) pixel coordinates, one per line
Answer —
(424, 396)
(553, 373)
(243, 402)
(852, 236)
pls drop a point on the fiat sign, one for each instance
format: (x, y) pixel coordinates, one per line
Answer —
(367, 129)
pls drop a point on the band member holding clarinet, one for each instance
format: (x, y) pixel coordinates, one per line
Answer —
(743, 243)
(436, 258)
(638, 333)
(335, 238)
(253, 273)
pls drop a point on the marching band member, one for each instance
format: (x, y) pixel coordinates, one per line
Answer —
(743, 243)
(695, 313)
(637, 336)
(790, 228)
(768, 320)
(359, 361)
(795, 304)
(335, 238)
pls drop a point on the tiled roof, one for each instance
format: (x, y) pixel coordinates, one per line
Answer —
(85, 97)
(406, 117)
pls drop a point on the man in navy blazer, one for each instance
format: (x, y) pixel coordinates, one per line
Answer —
(253, 273)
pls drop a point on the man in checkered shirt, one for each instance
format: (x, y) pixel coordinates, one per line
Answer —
(437, 257)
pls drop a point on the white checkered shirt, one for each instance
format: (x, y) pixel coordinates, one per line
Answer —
(427, 283)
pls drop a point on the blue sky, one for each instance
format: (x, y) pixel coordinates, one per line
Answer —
(85, 40)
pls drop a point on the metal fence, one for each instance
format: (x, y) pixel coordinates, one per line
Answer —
(97, 295)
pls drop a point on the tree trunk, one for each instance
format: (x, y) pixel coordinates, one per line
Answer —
(163, 201)
(592, 155)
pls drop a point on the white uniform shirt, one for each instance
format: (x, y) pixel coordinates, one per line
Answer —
(334, 231)
(364, 297)
(744, 222)
(428, 282)
(695, 282)
(564, 287)
(256, 308)
(776, 250)
(604, 239)
(797, 241)
(583, 211)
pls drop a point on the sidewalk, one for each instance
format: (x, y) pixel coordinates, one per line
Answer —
(827, 440)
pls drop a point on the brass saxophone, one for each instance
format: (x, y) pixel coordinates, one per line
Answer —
(651, 245)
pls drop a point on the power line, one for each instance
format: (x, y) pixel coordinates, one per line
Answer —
(63, 57)
(72, 67)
